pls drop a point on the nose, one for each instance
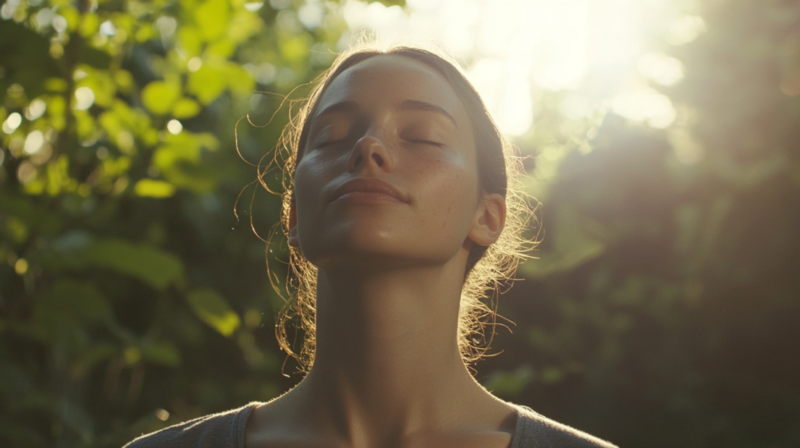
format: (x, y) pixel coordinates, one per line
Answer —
(370, 150)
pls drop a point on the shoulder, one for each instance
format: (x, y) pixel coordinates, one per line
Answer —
(222, 430)
(537, 430)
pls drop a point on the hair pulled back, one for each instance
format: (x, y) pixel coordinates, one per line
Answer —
(488, 268)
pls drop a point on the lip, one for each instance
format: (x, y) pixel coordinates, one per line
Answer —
(368, 189)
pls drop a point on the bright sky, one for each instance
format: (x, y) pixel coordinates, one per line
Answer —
(511, 49)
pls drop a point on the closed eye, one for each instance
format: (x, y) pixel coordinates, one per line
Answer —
(428, 142)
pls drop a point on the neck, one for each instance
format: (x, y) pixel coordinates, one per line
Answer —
(384, 336)
(387, 361)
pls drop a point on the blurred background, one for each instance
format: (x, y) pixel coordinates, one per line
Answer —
(663, 139)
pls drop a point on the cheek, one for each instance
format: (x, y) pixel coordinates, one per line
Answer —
(452, 193)
(311, 175)
(310, 167)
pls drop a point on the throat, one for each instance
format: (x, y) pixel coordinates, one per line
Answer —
(388, 337)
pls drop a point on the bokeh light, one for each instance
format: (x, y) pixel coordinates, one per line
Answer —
(660, 68)
(84, 98)
(35, 110)
(174, 127)
(33, 142)
(26, 172)
(12, 122)
(194, 64)
(107, 28)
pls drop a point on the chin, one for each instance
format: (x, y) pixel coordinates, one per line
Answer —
(358, 253)
(363, 245)
(365, 255)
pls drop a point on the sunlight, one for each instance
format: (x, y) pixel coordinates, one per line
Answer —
(512, 49)
(645, 105)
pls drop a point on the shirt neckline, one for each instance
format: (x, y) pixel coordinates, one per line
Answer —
(240, 425)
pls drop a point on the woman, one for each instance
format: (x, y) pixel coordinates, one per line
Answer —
(397, 221)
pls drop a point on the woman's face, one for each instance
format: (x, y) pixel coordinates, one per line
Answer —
(388, 175)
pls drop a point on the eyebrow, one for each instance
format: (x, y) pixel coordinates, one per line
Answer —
(344, 106)
(407, 105)
(428, 107)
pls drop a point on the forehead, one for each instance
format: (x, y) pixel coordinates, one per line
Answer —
(393, 79)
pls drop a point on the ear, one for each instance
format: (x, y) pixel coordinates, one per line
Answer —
(489, 221)
(293, 238)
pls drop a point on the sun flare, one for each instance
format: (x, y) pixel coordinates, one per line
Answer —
(601, 50)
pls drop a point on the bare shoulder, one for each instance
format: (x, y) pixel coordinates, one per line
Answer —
(534, 429)
(222, 430)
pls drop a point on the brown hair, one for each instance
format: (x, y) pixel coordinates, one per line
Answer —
(498, 171)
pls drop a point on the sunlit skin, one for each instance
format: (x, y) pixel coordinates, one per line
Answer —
(387, 371)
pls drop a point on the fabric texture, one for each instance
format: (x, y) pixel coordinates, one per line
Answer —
(537, 431)
(226, 430)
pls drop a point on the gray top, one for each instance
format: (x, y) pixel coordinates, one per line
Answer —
(226, 430)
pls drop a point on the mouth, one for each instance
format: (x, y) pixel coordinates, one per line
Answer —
(368, 189)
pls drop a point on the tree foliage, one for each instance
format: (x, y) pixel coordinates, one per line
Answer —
(129, 286)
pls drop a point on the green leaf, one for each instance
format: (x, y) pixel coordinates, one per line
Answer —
(25, 210)
(221, 49)
(96, 354)
(247, 24)
(72, 15)
(160, 96)
(101, 83)
(153, 266)
(295, 48)
(94, 57)
(56, 109)
(61, 313)
(207, 83)
(144, 33)
(55, 85)
(16, 230)
(212, 17)
(181, 147)
(190, 40)
(239, 81)
(90, 22)
(212, 309)
(161, 352)
(123, 80)
(180, 164)
(121, 119)
(154, 188)
(185, 108)
(77, 299)
(24, 58)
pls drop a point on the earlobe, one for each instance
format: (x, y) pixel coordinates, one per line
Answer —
(293, 240)
(490, 219)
